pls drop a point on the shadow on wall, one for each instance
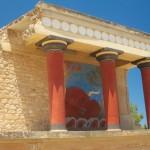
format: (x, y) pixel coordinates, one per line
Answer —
(31, 78)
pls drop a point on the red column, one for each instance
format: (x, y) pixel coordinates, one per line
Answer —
(145, 71)
(108, 74)
(55, 60)
(54, 48)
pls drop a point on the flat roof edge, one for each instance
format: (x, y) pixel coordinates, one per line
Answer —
(107, 22)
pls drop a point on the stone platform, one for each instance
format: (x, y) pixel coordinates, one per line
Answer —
(76, 140)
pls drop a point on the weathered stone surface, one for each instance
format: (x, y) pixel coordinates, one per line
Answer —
(126, 121)
(23, 92)
(125, 140)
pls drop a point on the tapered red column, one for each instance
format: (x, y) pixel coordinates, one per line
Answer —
(145, 72)
(55, 61)
(55, 66)
(108, 72)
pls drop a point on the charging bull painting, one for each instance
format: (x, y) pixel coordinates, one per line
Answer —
(84, 102)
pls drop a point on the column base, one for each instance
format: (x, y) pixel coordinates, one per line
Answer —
(148, 126)
(114, 130)
(113, 127)
(58, 128)
(126, 122)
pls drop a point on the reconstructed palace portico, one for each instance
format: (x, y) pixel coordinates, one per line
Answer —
(39, 49)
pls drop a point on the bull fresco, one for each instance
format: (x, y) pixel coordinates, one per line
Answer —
(84, 101)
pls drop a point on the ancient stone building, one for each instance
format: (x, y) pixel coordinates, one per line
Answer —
(60, 69)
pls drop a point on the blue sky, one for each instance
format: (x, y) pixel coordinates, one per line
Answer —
(132, 13)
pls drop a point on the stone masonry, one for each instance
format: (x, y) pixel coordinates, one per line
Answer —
(23, 92)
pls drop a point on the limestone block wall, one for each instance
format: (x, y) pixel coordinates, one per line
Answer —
(23, 92)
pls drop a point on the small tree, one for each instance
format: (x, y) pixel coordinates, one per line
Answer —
(135, 114)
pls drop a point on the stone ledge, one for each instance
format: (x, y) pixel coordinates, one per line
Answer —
(39, 135)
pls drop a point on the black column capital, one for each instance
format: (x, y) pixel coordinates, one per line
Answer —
(142, 63)
(110, 55)
(53, 43)
(106, 54)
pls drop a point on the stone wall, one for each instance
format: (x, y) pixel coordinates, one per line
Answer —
(23, 92)
(126, 121)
